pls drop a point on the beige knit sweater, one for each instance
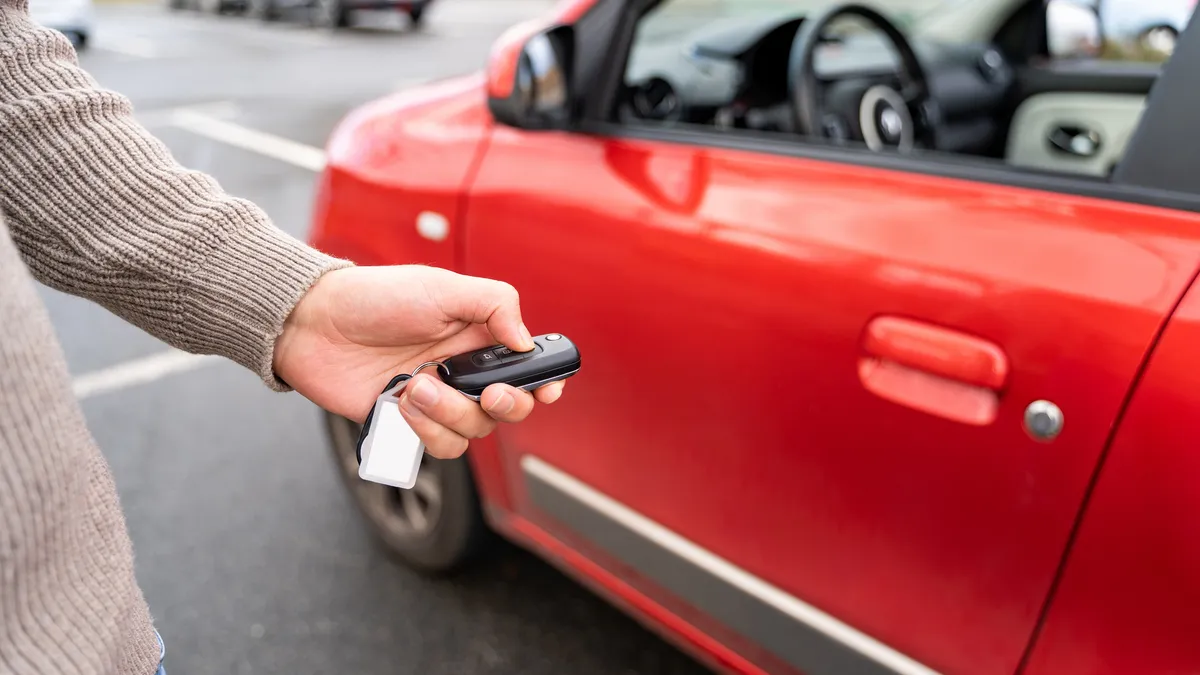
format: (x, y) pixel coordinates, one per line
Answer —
(93, 205)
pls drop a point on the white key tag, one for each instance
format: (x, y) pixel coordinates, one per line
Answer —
(389, 450)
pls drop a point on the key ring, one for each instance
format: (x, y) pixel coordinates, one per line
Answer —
(441, 366)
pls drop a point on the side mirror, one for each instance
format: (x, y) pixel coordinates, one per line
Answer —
(1074, 30)
(529, 80)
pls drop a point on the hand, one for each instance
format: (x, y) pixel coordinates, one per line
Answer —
(357, 328)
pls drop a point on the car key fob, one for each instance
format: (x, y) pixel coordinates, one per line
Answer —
(553, 358)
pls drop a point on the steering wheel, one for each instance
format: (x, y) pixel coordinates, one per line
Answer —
(876, 114)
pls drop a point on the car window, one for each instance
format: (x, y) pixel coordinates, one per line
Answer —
(695, 52)
(693, 43)
(724, 66)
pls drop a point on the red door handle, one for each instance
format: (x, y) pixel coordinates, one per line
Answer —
(933, 369)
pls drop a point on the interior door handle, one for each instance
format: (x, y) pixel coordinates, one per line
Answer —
(1076, 141)
(932, 369)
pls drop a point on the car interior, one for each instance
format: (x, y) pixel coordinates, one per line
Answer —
(1042, 92)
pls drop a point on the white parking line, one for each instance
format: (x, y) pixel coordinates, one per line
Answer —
(156, 117)
(268, 145)
(137, 371)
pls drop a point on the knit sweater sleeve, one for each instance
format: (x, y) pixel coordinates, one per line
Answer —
(100, 209)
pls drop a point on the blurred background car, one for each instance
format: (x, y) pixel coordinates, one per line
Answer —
(208, 6)
(74, 18)
(338, 13)
(330, 14)
(1152, 25)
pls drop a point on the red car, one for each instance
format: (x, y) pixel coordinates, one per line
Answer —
(891, 329)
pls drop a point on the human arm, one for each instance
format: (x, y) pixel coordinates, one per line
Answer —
(100, 209)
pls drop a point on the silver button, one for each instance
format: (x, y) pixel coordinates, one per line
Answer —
(553, 336)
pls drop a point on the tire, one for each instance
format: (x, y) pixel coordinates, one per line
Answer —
(262, 10)
(79, 40)
(449, 531)
(1161, 39)
(416, 16)
(210, 6)
(330, 14)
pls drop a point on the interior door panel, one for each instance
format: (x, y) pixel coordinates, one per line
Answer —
(1076, 132)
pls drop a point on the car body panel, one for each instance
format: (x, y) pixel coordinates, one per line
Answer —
(1130, 589)
(396, 168)
(673, 624)
(678, 269)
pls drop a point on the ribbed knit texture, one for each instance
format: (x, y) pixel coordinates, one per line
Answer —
(91, 204)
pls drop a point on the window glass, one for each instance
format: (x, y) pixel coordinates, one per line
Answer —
(725, 66)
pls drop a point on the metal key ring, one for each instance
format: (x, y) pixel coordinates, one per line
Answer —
(441, 366)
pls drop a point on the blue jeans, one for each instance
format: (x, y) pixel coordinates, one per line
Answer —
(162, 655)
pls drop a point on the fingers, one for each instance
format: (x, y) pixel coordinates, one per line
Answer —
(443, 418)
(446, 420)
(485, 301)
(506, 404)
(550, 393)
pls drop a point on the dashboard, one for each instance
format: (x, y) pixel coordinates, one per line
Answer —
(734, 75)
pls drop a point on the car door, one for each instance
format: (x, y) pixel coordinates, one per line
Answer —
(801, 424)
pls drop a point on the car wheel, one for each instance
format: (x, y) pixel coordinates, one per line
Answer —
(263, 10)
(78, 39)
(331, 14)
(211, 6)
(1159, 39)
(436, 527)
(416, 16)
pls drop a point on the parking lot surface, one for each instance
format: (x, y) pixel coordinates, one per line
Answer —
(252, 557)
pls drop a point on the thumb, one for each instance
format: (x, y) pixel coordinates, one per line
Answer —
(490, 302)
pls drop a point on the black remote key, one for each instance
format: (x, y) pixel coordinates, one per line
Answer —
(553, 358)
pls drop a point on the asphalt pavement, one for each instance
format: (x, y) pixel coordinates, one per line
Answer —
(252, 557)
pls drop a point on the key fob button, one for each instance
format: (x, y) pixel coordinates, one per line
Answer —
(508, 356)
(553, 337)
(486, 359)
